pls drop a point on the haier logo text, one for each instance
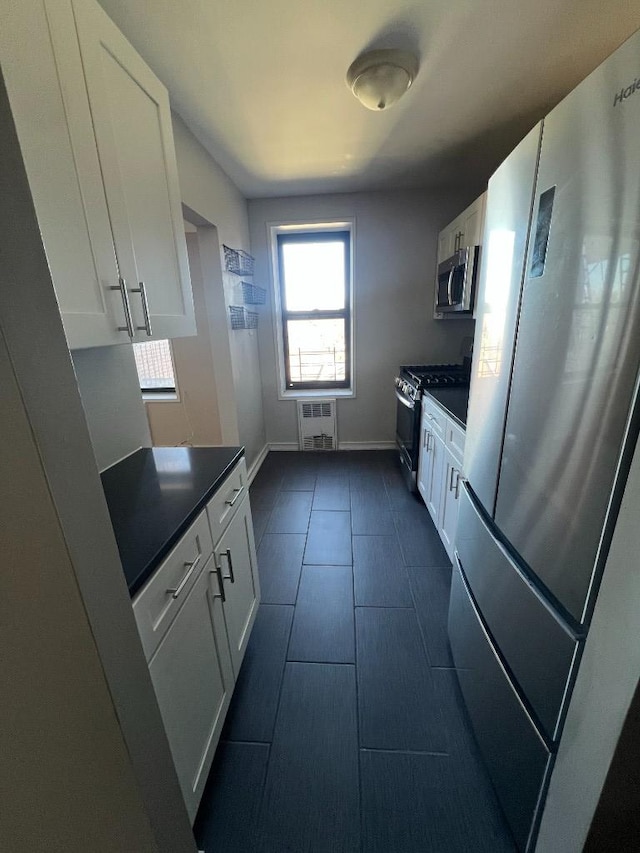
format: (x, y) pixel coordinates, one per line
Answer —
(623, 94)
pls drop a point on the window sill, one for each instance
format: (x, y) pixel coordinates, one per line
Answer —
(163, 397)
(302, 394)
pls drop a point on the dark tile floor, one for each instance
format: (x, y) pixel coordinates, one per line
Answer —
(347, 732)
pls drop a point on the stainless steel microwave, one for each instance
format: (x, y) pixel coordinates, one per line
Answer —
(456, 283)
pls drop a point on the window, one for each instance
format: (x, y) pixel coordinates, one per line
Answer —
(314, 277)
(154, 361)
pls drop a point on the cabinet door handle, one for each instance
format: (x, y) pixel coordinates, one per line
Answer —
(227, 554)
(238, 493)
(122, 287)
(218, 572)
(175, 591)
(424, 438)
(428, 444)
(452, 471)
(142, 290)
(457, 484)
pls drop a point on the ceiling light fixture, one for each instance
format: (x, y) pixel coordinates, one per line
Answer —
(379, 78)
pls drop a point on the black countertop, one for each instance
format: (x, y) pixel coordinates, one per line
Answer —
(454, 400)
(154, 495)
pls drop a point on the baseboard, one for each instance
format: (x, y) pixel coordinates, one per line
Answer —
(342, 445)
(367, 445)
(256, 465)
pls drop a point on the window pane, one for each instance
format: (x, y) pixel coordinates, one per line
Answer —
(155, 365)
(314, 275)
(316, 350)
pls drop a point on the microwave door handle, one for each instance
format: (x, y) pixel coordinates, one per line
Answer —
(449, 293)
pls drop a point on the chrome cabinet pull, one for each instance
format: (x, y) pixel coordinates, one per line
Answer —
(451, 473)
(218, 572)
(230, 561)
(175, 591)
(457, 484)
(142, 290)
(122, 287)
(424, 437)
(238, 493)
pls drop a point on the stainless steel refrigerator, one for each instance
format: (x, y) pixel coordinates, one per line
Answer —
(553, 420)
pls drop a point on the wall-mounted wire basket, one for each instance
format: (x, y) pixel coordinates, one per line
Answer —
(253, 294)
(237, 261)
(241, 318)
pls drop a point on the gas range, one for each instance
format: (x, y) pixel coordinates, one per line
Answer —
(411, 382)
(415, 378)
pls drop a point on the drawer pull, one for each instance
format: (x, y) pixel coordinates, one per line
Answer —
(218, 572)
(238, 493)
(175, 591)
(227, 554)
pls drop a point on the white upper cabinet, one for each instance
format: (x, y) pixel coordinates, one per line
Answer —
(465, 230)
(94, 126)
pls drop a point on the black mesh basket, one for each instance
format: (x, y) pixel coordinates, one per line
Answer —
(237, 261)
(241, 318)
(253, 294)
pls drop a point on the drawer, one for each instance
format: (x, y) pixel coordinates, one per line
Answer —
(433, 417)
(516, 756)
(223, 505)
(538, 648)
(454, 440)
(159, 600)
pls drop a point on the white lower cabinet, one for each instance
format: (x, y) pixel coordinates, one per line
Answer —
(193, 679)
(195, 616)
(440, 469)
(235, 557)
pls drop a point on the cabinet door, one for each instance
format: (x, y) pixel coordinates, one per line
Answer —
(425, 458)
(134, 138)
(193, 680)
(236, 556)
(43, 73)
(450, 502)
(472, 222)
(435, 483)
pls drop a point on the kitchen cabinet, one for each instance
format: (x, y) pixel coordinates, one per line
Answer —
(193, 680)
(440, 469)
(465, 230)
(194, 616)
(235, 556)
(107, 199)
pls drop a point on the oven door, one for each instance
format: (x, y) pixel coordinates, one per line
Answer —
(408, 430)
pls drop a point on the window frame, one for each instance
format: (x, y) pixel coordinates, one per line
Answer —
(299, 232)
(160, 393)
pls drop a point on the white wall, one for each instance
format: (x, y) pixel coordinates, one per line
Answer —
(207, 190)
(194, 418)
(110, 392)
(395, 258)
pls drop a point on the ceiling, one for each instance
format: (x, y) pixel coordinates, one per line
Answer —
(261, 83)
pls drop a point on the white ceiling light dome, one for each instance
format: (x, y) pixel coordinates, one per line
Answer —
(379, 78)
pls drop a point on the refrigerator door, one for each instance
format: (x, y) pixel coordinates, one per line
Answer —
(517, 758)
(578, 342)
(510, 198)
(537, 648)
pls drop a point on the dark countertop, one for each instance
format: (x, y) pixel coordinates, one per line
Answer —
(154, 495)
(454, 400)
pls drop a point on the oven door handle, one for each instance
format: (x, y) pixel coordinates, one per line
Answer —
(405, 402)
(449, 283)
